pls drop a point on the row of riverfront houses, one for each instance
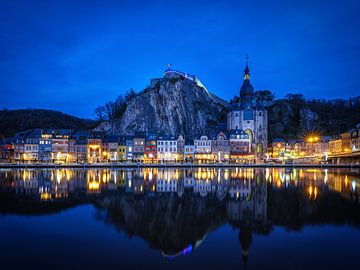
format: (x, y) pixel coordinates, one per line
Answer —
(74, 146)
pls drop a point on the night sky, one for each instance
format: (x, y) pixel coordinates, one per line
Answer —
(75, 55)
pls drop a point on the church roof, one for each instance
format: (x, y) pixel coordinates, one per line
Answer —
(246, 89)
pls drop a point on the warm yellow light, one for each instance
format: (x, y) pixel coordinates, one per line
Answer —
(94, 185)
(45, 196)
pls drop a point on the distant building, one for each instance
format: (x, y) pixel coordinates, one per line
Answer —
(278, 148)
(355, 139)
(7, 151)
(19, 145)
(129, 141)
(223, 147)
(110, 148)
(60, 145)
(122, 149)
(81, 139)
(94, 147)
(180, 147)
(45, 145)
(139, 147)
(31, 146)
(189, 150)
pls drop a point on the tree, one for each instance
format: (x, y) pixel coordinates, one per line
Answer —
(130, 94)
(100, 113)
(115, 109)
(264, 96)
(299, 98)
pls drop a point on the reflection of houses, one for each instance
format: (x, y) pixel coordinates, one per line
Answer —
(248, 203)
(129, 182)
(167, 180)
(166, 185)
(203, 187)
(189, 181)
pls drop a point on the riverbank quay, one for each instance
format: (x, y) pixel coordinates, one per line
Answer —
(174, 165)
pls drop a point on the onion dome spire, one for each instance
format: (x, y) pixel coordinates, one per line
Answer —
(247, 70)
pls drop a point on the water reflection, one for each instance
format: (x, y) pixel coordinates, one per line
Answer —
(175, 209)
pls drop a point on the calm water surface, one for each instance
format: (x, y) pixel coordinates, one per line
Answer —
(180, 219)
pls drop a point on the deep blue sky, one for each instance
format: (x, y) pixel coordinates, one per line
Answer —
(75, 55)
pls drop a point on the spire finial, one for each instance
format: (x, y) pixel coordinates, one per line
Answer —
(247, 70)
(169, 65)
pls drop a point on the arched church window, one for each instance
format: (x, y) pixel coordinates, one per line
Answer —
(260, 113)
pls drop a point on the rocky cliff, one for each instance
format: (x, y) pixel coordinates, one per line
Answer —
(293, 117)
(172, 106)
(181, 106)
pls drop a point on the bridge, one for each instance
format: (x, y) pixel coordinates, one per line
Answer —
(345, 157)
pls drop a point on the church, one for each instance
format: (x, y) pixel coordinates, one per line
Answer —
(249, 116)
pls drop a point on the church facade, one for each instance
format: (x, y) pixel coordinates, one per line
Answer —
(249, 116)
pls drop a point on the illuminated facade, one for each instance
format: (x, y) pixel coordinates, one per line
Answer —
(139, 147)
(203, 149)
(150, 148)
(167, 149)
(94, 147)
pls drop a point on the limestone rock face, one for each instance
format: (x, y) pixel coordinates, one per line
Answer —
(174, 106)
(308, 119)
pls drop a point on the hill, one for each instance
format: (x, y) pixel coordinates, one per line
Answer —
(295, 116)
(12, 121)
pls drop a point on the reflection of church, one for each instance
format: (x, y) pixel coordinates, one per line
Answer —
(250, 116)
(247, 210)
(248, 206)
